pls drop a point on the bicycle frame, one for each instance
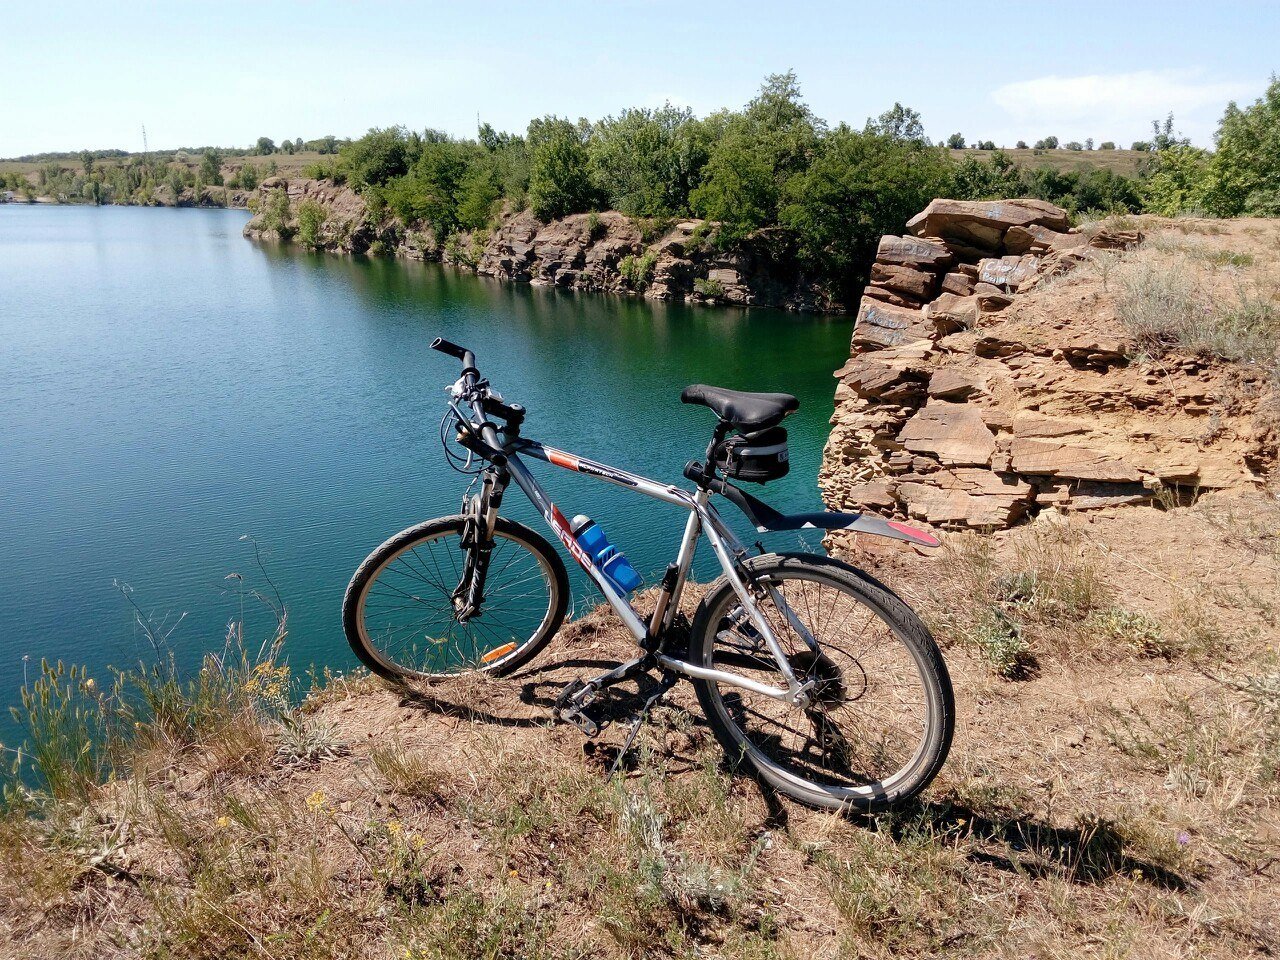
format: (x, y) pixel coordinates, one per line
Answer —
(703, 519)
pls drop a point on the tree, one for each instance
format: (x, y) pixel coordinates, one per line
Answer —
(1107, 145)
(955, 141)
(986, 144)
(1075, 145)
(1022, 145)
(559, 175)
(995, 178)
(377, 157)
(479, 193)
(1176, 178)
(1048, 143)
(265, 146)
(1244, 174)
(646, 162)
(861, 184)
(211, 168)
(1088, 143)
(287, 147)
(86, 159)
(1140, 146)
(1162, 135)
(899, 123)
(754, 154)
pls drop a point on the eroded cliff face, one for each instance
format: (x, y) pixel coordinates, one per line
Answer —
(603, 252)
(990, 377)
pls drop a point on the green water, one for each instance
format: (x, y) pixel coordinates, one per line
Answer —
(167, 387)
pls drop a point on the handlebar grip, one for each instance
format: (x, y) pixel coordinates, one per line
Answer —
(452, 349)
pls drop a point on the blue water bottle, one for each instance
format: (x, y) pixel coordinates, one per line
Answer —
(608, 558)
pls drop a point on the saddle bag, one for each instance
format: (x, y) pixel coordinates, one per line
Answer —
(755, 457)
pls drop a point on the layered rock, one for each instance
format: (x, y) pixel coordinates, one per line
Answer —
(976, 394)
(588, 251)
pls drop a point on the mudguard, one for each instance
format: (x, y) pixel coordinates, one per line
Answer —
(768, 520)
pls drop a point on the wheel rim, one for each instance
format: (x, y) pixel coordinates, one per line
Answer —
(869, 726)
(407, 620)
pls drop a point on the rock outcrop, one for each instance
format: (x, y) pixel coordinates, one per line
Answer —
(984, 385)
(603, 252)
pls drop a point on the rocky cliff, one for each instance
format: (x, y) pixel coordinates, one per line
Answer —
(990, 377)
(590, 251)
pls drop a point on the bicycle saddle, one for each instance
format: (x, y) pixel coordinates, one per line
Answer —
(746, 411)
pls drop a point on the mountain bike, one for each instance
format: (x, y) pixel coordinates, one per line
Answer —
(809, 671)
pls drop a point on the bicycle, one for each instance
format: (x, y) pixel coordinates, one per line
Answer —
(816, 675)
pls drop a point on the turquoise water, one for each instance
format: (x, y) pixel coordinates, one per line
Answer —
(168, 387)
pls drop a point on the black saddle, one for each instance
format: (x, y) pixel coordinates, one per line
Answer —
(748, 412)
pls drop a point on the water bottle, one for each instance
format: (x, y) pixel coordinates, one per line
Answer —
(608, 558)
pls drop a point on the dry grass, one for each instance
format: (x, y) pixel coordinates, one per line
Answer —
(1185, 292)
(1117, 801)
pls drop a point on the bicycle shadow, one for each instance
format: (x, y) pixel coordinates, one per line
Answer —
(522, 700)
(1087, 854)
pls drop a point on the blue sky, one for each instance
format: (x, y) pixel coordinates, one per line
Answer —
(76, 75)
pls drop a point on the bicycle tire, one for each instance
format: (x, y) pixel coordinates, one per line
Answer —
(354, 604)
(902, 624)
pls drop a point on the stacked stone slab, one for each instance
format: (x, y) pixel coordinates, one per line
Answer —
(975, 428)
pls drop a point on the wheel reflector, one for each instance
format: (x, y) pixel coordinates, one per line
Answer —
(498, 652)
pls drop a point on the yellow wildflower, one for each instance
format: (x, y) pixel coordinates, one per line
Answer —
(317, 801)
(222, 823)
(395, 827)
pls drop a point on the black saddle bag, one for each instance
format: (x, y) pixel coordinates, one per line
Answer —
(755, 457)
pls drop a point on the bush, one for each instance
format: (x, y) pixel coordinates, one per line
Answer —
(1162, 305)
(1176, 180)
(711, 289)
(277, 215)
(311, 217)
(638, 271)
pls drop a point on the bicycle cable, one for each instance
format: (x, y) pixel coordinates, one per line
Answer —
(459, 463)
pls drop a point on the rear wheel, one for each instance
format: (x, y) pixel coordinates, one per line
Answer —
(402, 620)
(882, 713)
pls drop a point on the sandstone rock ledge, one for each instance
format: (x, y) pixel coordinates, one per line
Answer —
(990, 378)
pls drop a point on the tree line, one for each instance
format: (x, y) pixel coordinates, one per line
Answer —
(833, 190)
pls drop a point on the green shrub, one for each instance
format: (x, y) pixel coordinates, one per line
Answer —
(311, 217)
(638, 271)
(277, 217)
(711, 289)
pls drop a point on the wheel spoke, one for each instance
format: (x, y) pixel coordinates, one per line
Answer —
(870, 713)
(419, 633)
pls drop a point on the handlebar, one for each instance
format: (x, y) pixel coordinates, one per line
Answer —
(462, 353)
(482, 401)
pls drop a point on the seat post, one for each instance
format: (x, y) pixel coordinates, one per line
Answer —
(709, 464)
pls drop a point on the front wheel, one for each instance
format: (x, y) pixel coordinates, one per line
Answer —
(404, 620)
(881, 716)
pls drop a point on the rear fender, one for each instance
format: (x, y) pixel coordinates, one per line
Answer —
(768, 520)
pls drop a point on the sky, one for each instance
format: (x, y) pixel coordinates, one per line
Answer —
(87, 75)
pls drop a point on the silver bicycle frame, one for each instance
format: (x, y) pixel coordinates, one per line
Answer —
(703, 519)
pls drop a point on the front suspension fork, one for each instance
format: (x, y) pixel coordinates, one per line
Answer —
(480, 517)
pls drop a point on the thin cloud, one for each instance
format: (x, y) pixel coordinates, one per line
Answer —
(1116, 106)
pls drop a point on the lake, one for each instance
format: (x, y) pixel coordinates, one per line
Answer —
(168, 388)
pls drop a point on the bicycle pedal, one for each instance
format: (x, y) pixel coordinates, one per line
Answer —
(572, 707)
